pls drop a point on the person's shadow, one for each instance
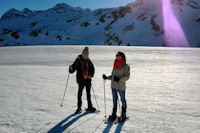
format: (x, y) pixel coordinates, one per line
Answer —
(59, 128)
(109, 126)
(119, 127)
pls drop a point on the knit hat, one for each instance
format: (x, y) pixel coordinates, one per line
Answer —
(122, 55)
(85, 51)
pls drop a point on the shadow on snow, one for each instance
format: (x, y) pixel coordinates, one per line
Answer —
(60, 127)
(109, 126)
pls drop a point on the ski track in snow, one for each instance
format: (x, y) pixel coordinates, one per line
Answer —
(163, 92)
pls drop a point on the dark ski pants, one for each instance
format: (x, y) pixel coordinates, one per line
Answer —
(80, 90)
(115, 99)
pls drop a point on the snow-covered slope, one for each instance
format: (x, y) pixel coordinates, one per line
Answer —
(138, 23)
(163, 92)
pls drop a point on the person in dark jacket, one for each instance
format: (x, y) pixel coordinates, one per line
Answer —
(85, 71)
(120, 74)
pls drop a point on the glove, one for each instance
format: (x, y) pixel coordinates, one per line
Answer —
(104, 77)
(70, 69)
(116, 79)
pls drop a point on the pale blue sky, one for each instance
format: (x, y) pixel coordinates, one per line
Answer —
(45, 4)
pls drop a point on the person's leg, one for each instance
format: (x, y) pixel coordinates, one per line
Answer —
(115, 98)
(88, 88)
(79, 96)
(123, 100)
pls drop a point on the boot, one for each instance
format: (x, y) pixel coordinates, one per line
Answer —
(122, 118)
(91, 109)
(78, 111)
(112, 117)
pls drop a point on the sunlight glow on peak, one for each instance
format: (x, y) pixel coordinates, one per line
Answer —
(173, 33)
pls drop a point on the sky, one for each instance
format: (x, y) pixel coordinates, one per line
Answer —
(45, 4)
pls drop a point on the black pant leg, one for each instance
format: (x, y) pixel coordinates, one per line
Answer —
(80, 91)
(88, 88)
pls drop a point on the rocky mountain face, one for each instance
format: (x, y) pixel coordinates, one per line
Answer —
(139, 24)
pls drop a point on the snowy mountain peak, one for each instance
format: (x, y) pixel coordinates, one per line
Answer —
(65, 8)
(143, 3)
(16, 13)
(27, 11)
(10, 13)
(138, 23)
(191, 3)
(62, 6)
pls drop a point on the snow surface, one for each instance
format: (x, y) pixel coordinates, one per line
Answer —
(163, 93)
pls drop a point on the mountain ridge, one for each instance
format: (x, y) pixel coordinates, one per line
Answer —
(139, 24)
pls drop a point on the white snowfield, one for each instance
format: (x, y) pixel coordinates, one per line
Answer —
(163, 92)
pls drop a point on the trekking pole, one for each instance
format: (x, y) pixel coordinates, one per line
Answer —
(104, 98)
(95, 97)
(65, 90)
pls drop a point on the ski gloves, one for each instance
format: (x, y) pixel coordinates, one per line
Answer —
(116, 79)
(70, 69)
(105, 77)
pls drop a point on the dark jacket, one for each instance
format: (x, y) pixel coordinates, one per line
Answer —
(77, 66)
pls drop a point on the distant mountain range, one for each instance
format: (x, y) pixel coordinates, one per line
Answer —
(139, 24)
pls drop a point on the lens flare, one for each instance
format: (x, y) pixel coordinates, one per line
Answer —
(173, 32)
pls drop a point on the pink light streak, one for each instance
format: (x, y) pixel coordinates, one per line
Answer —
(173, 32)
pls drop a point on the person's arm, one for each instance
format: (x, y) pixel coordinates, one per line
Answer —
(74, 66)
(110, 77)
(91, 69)
(126, 75)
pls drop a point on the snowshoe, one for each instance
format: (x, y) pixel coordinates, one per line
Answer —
(122, 118)
(91, 109)
(78, 111)
(112, 117)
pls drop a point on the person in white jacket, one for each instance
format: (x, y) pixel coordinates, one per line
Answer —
(120, 74)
